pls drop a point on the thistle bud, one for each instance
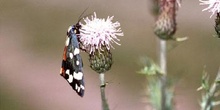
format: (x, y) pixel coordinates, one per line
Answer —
(101, 61)
(165, 26)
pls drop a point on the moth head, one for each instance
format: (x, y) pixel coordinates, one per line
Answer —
(77, 27)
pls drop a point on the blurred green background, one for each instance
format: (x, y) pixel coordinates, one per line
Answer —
(32, 36)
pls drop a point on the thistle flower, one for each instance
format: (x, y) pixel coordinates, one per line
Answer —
(96, 38)
(96, 33)
(214, 6)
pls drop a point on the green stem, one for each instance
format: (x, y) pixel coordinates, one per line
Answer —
(102, 90)
(163, 56)
(163, 66)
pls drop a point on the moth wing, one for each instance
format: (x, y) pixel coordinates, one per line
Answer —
(72, 65)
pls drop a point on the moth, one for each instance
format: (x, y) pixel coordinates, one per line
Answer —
(72, 65)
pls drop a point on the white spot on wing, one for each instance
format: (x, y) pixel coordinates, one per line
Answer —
(78, 90)
(76, 51)
(78, 75)
(70, 27)
(70, 79)
(68, 71)
(82, 87)
(71, 55)
(76, 86)
(67, 41)
(77, 62)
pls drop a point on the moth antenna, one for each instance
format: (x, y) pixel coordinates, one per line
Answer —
(82, 14)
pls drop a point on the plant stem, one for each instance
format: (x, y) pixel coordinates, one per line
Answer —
(163, 66)
(163, 56)
(102, 79)
(165, 28)
(102, 90)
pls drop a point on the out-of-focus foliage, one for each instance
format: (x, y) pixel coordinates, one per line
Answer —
(210, 93)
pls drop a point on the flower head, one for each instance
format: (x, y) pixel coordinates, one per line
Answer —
(98, 33)
(214, 5)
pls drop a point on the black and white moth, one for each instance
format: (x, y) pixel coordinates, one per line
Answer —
(72, 65)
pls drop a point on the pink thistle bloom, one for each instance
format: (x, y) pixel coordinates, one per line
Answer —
(96, 33)
(214, 5)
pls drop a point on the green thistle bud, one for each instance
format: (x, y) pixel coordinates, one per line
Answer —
(101, 61)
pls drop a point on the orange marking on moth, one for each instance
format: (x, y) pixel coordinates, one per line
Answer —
(64, 53)
(62, 71)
